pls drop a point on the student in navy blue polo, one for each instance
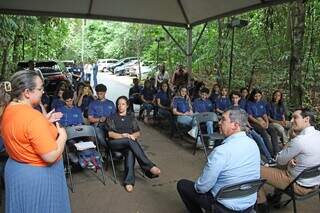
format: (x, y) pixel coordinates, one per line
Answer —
(203, 104)
(244, 96)
(163, 100)
(148, 99)
(235, 97)
(57, 100)
(276, 115)
(99, 110)
(135, 94)
(72, 115)
(85, 98)
(223, 102)
(215, 93)
(182, 108)
(257, 114)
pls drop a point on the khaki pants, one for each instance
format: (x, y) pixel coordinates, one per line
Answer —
(278, 178)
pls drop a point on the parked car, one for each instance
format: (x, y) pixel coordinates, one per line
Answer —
(104, 64)
(124, 69)
(121, 62)
(145, 68)
(52, 74)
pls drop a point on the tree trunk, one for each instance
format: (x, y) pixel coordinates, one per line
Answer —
(5, 53)
(296, 58)
(220, 54)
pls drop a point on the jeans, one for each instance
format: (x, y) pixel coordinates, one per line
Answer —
(274, 148)
(131, 150)
(259, 140)
(148, 107)
(95, 81)
(101, 133)
(134, 100)
(186, 120)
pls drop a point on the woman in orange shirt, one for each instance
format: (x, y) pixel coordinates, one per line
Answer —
(34, 174)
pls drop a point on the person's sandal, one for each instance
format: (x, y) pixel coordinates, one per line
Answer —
(129, 188)
(150, 175)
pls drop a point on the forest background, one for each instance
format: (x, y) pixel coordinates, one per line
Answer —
(278, 49)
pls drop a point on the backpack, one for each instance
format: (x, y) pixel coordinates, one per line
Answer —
(90, 158)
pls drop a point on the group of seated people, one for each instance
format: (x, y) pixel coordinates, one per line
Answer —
(267, 120)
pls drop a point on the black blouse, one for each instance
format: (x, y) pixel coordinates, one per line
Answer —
(123, 124)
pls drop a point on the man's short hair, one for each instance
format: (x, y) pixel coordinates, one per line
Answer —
(205, 90)
(67, 95)
(237, 93)
(306, 112)
(101, 88)
(240, 116)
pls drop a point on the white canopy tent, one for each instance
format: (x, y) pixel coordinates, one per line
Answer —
(179, 13)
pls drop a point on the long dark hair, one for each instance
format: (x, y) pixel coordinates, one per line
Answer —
(281, 98)
(253, 93)
(124, 98)
(169, 92)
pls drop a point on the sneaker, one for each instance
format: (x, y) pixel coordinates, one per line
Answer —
(272, 163)
(193, 132)
(210, 144)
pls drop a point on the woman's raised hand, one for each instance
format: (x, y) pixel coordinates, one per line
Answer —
(53, 116)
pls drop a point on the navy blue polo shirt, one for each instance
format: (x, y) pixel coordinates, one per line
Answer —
(223, 103)
(200, 105)
(181, 104)
(135, 89)
(98, 109)
(164, 98)
(256, 109)
(86, 100)
(213, 97)
(243, 103)
(71, 116)
(275, 111)
(57, 103)
(148, 94)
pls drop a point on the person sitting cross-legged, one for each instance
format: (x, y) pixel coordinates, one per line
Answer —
(123, 132)
(302, 152)
(235, 161)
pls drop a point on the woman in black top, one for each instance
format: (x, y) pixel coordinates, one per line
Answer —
(123, 132)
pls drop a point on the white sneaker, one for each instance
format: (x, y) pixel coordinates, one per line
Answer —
(193, 132)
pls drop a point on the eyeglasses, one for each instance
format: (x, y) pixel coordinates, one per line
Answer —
(41, 89)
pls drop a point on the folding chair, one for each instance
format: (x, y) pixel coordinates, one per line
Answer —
(203, 118)
(238, 190)
(310, 172)
(74, 132)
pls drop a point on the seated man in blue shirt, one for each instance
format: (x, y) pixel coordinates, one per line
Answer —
(99, 110)
(235, 161)
(72, 115)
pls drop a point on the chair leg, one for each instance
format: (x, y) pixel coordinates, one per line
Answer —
(102, 169)
(113, 168)
(69, 169)
(294, 205)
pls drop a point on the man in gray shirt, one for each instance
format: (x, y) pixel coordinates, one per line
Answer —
(301, 152)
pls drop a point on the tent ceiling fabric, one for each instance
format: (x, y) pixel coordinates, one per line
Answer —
(166, 12)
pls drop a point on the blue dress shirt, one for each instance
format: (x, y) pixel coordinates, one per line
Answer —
(235, 161)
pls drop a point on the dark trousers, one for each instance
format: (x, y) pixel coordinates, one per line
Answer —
(131, 151)
(134, 100)
(274, 148)
(194, 201)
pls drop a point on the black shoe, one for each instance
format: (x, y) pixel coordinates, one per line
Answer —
(274, 200)
(150, 175)
(263, 208)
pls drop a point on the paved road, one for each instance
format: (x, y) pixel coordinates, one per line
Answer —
(117, 85)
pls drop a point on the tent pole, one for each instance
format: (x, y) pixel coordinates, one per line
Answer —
(189, 50)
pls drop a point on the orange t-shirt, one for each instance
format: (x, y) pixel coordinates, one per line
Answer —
(27, 134)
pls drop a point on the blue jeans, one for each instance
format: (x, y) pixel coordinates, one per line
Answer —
(186, 120)
(259, 140)
(148, 107)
